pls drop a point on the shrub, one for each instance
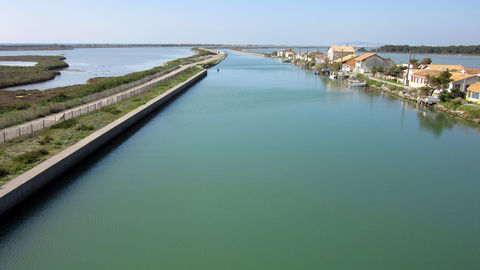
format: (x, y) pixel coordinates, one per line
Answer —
(112, 110)
(30, 156)
(84, 127)
(45, 140)
(65, 124)
(3, 172)
(457, 101)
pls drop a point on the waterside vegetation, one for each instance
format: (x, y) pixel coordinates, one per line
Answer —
(46, 69)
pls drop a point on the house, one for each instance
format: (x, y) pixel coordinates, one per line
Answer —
(346, 58)
(315, 54)
(367, 61)
(290, 54)
(349, 66)
(473, 93)
(418, 77)
(474, 71)
(321, 59)
(302, 56)
(335, 52)
(461, 81)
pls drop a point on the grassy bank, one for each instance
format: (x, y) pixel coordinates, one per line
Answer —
(19, 155)
(20, 106)
(45, 69)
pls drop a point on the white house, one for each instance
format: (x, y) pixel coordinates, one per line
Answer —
(335, 52)
(320, 59)
(367, 61)
(460, 81)
(418, 77)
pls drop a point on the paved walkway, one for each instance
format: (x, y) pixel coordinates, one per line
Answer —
(387, 82)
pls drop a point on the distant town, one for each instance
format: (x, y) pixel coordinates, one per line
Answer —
(420, 78)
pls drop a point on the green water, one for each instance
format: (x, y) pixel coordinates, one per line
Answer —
(264, 166)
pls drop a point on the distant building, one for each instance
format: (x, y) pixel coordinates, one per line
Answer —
(302, 56)
(473, 93)
(367, 61)
(320, 59)
(346, 58)
(290, 54)
(335, 52)
(349, 66)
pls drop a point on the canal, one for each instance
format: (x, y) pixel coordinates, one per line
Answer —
(264, 166)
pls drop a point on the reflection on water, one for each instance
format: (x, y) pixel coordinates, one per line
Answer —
(435, 122)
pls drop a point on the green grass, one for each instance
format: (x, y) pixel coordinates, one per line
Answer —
(15, 158)
(65, 124)
(471, 111)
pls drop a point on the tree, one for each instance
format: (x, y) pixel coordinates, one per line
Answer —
(414, 62)
(426, 61)
(441, 81)
(394, 70)
(374, 71)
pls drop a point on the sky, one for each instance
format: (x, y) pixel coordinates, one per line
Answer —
(300, 22)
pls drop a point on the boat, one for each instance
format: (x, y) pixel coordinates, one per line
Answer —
(333, 76)
(356, 83)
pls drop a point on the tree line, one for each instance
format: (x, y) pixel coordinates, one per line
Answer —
(472, 49)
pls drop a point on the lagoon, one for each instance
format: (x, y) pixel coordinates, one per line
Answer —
(87, 63)
(264, 166)
(18, 63)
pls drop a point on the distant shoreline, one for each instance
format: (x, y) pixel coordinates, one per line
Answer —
(42, 47)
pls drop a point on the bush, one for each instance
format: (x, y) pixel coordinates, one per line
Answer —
(3, 172)
(30, 156)
(111, 109)
(84, 127)
(66, 124)
(45, 140)
(457, 101)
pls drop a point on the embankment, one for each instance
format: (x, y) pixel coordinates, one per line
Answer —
(20, 188)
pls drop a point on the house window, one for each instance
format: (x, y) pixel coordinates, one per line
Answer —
(475, 95)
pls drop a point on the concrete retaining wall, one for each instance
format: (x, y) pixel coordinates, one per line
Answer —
(18, 189)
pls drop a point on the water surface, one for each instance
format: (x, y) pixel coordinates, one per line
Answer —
(18, 63)
(86, 63)
(264, 166)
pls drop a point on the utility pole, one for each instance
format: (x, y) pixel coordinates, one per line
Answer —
(408, 69)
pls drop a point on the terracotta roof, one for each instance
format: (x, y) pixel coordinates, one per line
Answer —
(474, 87)
(350, 63)
(472, 70)
(366, 56)
(346, 58)
(425, 72)
(458, 76)
(346, 49)
(445, 67)
(320, 56)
